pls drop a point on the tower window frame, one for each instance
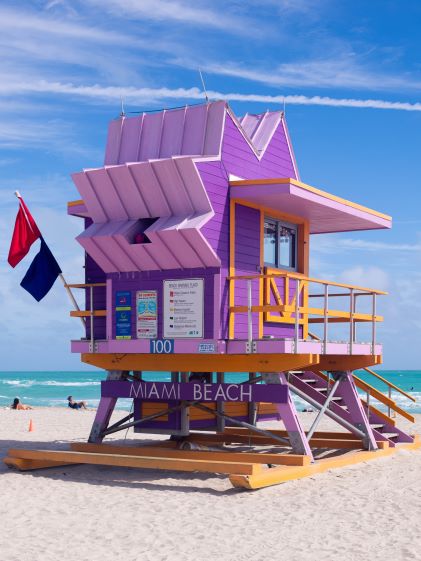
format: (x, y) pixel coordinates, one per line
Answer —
(275, 255)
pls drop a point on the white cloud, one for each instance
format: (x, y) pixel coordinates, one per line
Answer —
(135, 95)
(197, 13)
(370, 277)
(14, 21)
(329, 245)
(342, 71)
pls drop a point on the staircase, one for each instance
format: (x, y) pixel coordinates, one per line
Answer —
(316, 386)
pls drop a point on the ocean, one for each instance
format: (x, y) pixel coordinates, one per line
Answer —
(50, 389)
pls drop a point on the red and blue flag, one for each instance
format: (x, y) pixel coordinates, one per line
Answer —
(44, 269)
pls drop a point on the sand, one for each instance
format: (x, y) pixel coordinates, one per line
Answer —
(365, 512)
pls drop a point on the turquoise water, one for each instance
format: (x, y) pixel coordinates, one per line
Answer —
(50, 389)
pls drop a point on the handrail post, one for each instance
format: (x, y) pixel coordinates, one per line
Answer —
(390, 397)
(297, 318)
(351, 319)
(249, 313)
(91, 298)
(368, 404)
(373, 324)
(325, 322)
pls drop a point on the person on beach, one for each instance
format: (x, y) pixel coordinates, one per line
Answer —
(20, 406)
(76, 404)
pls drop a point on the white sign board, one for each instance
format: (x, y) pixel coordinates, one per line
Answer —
(183, 308)
(147, 314)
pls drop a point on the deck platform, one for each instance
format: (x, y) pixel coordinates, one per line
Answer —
(246, 469)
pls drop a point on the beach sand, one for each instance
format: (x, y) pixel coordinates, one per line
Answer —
(370, 511)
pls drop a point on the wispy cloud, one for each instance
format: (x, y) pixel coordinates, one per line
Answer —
(329, 245)
(342, 71)
(202, 14)
(134, 95)
(15, 20)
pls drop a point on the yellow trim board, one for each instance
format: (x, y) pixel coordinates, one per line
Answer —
(310, 189)
(76, 203)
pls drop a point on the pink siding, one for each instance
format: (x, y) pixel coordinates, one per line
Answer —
(239, 159)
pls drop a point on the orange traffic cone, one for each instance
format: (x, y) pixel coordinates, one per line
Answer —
(31, 426)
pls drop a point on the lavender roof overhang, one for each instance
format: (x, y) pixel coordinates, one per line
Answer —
(168, 190)
(326, 213)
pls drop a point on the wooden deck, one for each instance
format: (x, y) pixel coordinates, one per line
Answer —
(248, 470)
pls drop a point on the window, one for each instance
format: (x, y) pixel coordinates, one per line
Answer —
(280, 244)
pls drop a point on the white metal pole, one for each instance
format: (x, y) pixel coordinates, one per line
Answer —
(325, 319)
(249, 314)
(297, 308)
(91, 302)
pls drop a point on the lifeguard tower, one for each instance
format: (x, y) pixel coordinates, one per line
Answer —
(197, 232)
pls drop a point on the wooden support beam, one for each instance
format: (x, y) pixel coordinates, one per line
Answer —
(347, 362)
(202, 362)
(212, 455)
(228, 437)
(87, 313)
(149, 462)
(282, 432)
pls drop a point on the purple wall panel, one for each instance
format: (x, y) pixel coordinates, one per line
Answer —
(153, 280)
(240, 160)
(216, 230)
(94, 274)
(247, 262)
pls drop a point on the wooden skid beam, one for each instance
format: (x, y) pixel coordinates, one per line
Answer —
(278, 475)
(212, 455)
(281, 474)
(27, 465)
(149, 462)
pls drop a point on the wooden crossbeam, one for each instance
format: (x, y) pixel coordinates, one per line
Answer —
(177, 464)
(213, 455)
(87, 313)
(338, 443)
(281, 432)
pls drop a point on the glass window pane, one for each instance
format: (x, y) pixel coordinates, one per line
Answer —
(270, 242)
(287, 240)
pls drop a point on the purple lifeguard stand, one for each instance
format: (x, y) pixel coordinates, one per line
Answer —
(197, 236)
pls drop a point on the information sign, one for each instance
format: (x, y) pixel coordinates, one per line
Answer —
(147, 314)
(183, 308)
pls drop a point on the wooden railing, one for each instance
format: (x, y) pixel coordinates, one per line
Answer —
(372, 392)
(91, 313)
(390, 386)
(292, 304)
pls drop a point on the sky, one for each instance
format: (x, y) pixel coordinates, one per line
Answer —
(348, 74)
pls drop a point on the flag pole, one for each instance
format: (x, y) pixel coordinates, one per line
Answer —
(63, 280)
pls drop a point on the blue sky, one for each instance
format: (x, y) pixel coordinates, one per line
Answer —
(348, 72)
